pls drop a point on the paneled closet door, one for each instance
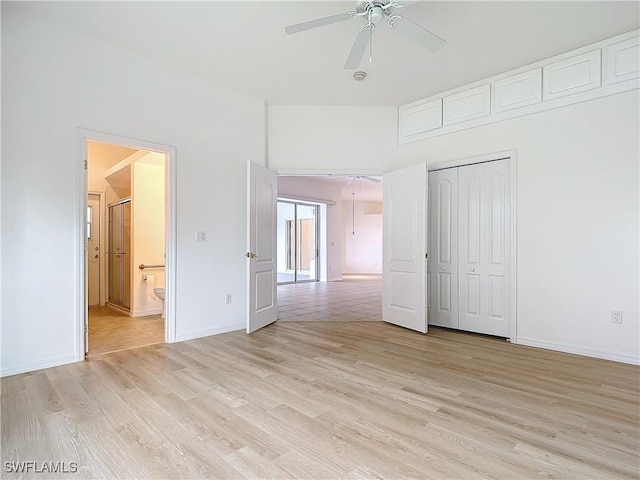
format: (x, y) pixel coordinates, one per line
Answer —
(485, 248)
(443, 248)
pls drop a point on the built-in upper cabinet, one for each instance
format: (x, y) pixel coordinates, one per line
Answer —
(573, 75)
(623, 61)
(603, 68)
(517, 91)
(467, 105)
(420, 117)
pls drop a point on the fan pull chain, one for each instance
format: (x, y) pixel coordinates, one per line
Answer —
(370, 38)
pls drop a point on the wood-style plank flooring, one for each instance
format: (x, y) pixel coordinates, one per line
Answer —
(328, 400)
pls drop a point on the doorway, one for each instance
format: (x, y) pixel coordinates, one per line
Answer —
(127, 279)
(297, 242)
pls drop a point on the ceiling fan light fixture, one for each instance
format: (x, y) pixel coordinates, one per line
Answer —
(376, 14)
(359, 76)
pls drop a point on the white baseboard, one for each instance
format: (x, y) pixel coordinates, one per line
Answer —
(147, 312)
(587, 352)
(181, 337)
(37, 365)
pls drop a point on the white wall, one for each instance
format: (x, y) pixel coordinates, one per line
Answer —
(362, 252)
(54, 81)
(332, 139)
(577, 209)
(147, 232)
(307, 188)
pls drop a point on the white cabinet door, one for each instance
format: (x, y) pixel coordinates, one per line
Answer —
(443, 248)
(262, 200)
(404, 247)
(485, 248)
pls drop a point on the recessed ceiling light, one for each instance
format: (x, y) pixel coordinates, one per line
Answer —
(359, 76)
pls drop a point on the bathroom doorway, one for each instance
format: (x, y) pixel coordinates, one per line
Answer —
(127, 237)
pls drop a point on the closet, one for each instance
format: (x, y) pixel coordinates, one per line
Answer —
(469, 262)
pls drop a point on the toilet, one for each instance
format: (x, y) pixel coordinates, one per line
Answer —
(159, 292)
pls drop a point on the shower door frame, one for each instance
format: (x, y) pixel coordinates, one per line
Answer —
(127, 266)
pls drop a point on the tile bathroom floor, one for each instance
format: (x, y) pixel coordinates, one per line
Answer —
(111, 331)
(355, 298)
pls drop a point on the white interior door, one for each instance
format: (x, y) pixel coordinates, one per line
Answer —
(443, 248)
(404, 247)
(485, 248)
(262, 201)
(93, 249)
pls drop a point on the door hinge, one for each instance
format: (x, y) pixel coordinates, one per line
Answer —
(426, 255)
(85, 164)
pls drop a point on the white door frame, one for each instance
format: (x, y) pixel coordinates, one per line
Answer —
(102, 242)
(509, 155)
(83, 136)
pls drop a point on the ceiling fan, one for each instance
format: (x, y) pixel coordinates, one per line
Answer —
(354, 178)
(372, 11)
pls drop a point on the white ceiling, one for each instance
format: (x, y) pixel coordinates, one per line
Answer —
(243, 44)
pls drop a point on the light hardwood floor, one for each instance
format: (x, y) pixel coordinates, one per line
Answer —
(329, 400)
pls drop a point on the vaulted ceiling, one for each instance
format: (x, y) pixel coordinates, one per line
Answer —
(243, 44)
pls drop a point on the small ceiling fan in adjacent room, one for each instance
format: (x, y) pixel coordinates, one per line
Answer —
(372, 12)
(354, 178)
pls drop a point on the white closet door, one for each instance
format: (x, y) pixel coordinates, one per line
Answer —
(485, 248)
(443, 248)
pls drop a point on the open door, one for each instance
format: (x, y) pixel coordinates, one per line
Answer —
(262, 201)
(404, 247)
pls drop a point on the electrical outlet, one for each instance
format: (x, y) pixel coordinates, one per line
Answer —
(201, 236)
(616, 316)
(228, 299)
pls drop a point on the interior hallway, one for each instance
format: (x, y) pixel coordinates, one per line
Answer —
(111, 330)
(355, 298)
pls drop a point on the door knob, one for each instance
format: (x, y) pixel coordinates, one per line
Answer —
(442, 268)
(251, 255)
(472, 269)
(97, 248)
(95, 256)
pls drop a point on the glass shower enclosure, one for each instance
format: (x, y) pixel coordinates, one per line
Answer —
(119, 254)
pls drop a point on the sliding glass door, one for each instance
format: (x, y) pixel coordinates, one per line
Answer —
(297, 242)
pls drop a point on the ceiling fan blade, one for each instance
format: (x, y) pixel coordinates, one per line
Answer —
(418, 34)
(320, 22)
(371, 179)
(357, 50)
